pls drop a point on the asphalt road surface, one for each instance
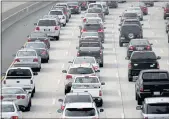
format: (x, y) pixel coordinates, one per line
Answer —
(119, 94)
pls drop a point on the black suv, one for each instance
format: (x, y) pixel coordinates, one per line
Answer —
(166, 10)
(93, 27)
(141, 60)
(151, 83)
(94, 49)
(128, 32)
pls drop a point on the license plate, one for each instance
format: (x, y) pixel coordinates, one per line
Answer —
(25, 60)
(156, 93)
(140, 48)
(8, 96)
(46, 29)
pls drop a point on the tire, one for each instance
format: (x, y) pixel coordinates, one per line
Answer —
(32, 94)
(66, 91)
(164, 17)
(34, 90)
(28, 108)
(101, 64)
(64, 25)
(38, 69)
(139, 100)
(136, 96)
(120, 44)
(67, 21)
(57, 38)
(130, 79)
(100, 104)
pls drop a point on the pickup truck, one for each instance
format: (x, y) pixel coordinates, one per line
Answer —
(90, 84)
(20, 77)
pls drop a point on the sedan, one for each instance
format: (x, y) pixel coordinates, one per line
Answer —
(17, 95)
(74, 7)
(138, 45)
(41, 50)
(27, 58)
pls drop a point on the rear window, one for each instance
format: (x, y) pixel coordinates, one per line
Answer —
(89, 44)
(26, 53)
(132, 22)
(73, 3)
(94, 10)
(35, 45)
(139, 42)
(86, 80)
(47, 23)
(143, 55)
(155, 76)
(55, 13)
(130, 29)
(7, 108)
(77, 98)
(130, 15)
(91, 15)
(19, 73)
(38, 35)
(80, 112)
(81, 70)
(92, 26)
(12, 91)
(89, 34)
(94, 20)
(84, 60)
(159, 108)
(95, 5)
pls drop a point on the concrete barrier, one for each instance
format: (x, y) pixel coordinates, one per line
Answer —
(7, 22)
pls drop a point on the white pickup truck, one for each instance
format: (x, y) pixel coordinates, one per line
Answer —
(20, 77)
(90, 84)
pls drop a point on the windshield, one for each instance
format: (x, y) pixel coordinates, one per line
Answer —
(7, 108)
(84, 60)
(19, 73)
(94, 10)
(77, 98)
(143, 55)
(158, 76)
(158, 108)
(86, 80)
(12, 91)
(55, 13)
(35, 45)
(89, 44)
(47, 23)
(92, 26)
(81, 70)
(130, 15)
(81, 112)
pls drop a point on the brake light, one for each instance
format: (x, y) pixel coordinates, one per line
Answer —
(17, 60)
(131, 48)
(68, 76)
(2, 97)
(35, 60)
(78, 54)
(31, 81)
(56, 27)
(166, 10)
(84, 3)
(84, 20)
(148, 47)
(83, 30)
(14, 117)
(43, 52)
(100, 93)
(141, 89)
(29, 40)
(37, 28)
(18, 97)
(75, 7)
(145, 117)
(23, 97)
(4, 81)
(62, 107)
(129, 65)
(100, 30)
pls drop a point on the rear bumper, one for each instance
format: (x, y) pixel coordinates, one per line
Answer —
(150, 94)
(53, 34)
(31, 65)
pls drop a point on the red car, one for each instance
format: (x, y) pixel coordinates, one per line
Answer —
(143, 8)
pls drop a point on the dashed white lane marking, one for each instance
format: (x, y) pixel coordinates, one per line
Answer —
(58, 81)
(162, 51)
(53, 101)
(63, 66)
(122, 115)
(117, 75)
(115, 61)
(66, 53)
(119, 92)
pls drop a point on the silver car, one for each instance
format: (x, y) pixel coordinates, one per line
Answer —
(41, 50)
(9, 110)
(97, 10)
(27, 58)
(17, 95)
(88, 15)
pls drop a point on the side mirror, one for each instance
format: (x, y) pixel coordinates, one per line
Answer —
(35, 24)
(14, 55)
(22, 47)
(70, 62)
(103, 83)
(119, 24)
(163, 7)
(27, 35)
(158, 57)
(59, 111)
(80, 27)
(126, 58)
(119, 16)
(77, 47)
(60, 100)
(139, 107)
(101, 110)
(3, 74)
(35, 73)
(64, 71)
(119, 29)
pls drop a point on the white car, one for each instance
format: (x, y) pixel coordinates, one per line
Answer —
(50, 26)
(60, 14)
(96, 5)
(94, 19)
(9, 110)
(136, 10)
(80, 111)
(88, 15)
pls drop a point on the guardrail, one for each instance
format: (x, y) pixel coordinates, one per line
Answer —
(7, 22)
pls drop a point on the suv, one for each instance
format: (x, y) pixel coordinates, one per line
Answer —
(128, 15)
(141, 60)
(93, 27)
(128, 32)
(77, 70)
(50, 26)
(93, 49)
(151, 83)
(166, 10)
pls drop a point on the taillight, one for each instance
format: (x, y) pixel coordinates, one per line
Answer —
(29, 40)
(43, 52)
(84, 20)
(141, 89)
(31, 81)
(18, 97)
(100, 30)
(2, 97)
(166, 9)
(131, 48)
(83, 30)
(35, 60)
(84, 3)
(78, 54)
(148, 47)
(4, 81)
(62, 107)
(56, 27)
(100, 93)
(68, 76)
(17, 60)
(76, 7)
(46, 40)
(129, 65)
(37, 28)
(14, 117)
(23, 97)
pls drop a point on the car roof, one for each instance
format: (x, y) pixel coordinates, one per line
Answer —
(56, 10)
(129, 11)
(80, 105)
(90, 32)
(49, 18)
(130, 25)
(157, 100)
(153, 70)
(60, 4)
(87, 65)
(93, 18)
(78, 93)
(36, 42)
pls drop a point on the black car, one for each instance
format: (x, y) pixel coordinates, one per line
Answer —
(93, 27)
(138, 45)
(151, 83)
(128, 32)
(166, 10)
(129, 15)
(112, 4)
(149, 3)
(93, 49)
(74, 7)
(141, 60)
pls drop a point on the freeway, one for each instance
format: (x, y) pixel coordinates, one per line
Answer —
(119, 94)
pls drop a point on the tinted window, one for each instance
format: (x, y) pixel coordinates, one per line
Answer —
(35, 45)
(94, 10)
(89, 34)
(155, 76)
(89, 44)
(143, 55)
(92, 26)
(84, 60)
(95, 5)
(82, 112)
(133, 28)
(38, 35)
(77, 98)
(132, 22)
(139, 42)
(73, 3)
(94, 20)
(47, 23)
(158, 108)
(7, 108)
(130, 15)
(91, 15)
(86, 80)
(12, 91)
(19, 73)
(55, 13)
(26, 53)
(81, 70)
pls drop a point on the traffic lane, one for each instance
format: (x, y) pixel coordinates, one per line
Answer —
(18, 32)
(50, 81)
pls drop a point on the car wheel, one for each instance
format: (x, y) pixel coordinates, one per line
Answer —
(64, 25)
(130, 79)
(38, 69)
(100, 104)
(67, 21)
(34, 90)
(46, 60)
(120, 44)
(139, 100)
(57, 38)
(28, 108)
(164, 17)
(101, 64)
(32, 94)
(135, 96)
